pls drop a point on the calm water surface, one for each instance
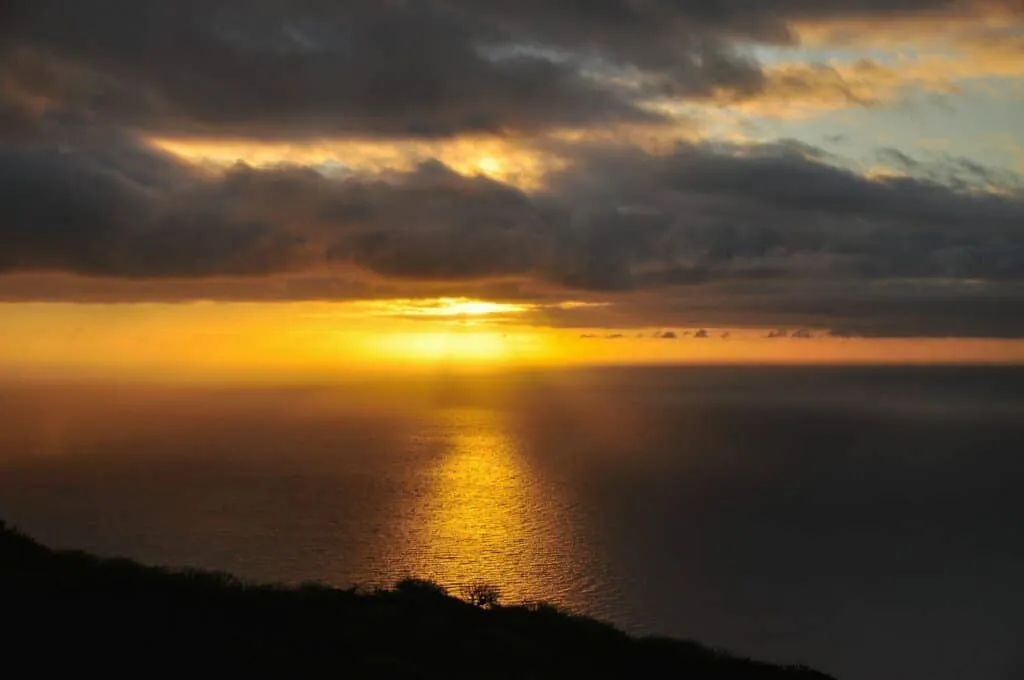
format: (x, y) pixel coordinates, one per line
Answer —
(869, 522)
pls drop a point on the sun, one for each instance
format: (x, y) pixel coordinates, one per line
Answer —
(451, 330)
(447, 346)
(490, 166)
(448, 308)
(468, 307)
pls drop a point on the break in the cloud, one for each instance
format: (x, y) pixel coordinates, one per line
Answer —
(94, 93)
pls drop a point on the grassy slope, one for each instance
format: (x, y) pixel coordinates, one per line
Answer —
(74, 611)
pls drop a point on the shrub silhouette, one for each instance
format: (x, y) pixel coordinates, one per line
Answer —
(545, 608)
(421, 588)
(482, 595)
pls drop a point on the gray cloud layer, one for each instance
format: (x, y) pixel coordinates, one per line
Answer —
(618, 219)
(782, 211)
(288, 68)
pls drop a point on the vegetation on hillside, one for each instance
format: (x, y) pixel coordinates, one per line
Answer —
(74, 611)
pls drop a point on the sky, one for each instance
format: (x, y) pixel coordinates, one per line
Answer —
(197, 187)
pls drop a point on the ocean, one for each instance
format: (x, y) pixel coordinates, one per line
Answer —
(867, 521)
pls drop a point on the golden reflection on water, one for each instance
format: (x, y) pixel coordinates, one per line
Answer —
(487, 517)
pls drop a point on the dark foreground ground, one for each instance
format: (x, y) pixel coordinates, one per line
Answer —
(74, 611)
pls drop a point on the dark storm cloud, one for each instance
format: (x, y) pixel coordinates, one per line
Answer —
(937, 310)
(688, 48)
(776, 211)
(905, 308)
(108, 207)
(972, 310)
(662, 34)
(276, 69)
(16, 119)
(286, 68)
(619, 219)
(112, 209)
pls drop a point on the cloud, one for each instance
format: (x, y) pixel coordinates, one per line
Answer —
(777, 211)
(666, 232)
(668, 335)
(702, 334)
(868, 308)
(802, 89)
(276, 69)
(923, 23)
(960, 173)
(114, 210)
(108, 206)
(621, 24)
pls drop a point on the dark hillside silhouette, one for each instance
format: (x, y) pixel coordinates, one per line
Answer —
(73, 611)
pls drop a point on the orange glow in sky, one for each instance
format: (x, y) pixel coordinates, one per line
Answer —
(512, 161)
(208, 341)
